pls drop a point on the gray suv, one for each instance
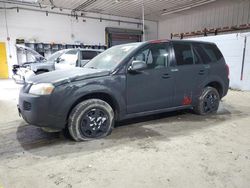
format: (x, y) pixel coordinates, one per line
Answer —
(127, 81)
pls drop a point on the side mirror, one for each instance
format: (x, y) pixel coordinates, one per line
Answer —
(137, 66)
(58, 60)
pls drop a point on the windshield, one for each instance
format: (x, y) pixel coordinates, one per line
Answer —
(55, 55)
(111, 58)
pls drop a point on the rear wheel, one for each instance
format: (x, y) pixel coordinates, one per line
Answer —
(91, 119)
(208, 102)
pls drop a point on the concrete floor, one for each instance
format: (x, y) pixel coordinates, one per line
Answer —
(177, 149)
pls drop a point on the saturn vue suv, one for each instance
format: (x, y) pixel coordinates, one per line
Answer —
(127, 81)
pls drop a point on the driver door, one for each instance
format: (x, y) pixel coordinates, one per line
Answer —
(153, 88)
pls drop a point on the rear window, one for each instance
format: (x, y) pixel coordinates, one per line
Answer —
(208, 52)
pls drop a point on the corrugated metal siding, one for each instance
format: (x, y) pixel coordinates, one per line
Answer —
(220, 14)
(125, 8)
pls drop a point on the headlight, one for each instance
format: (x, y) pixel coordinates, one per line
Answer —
(41, 89)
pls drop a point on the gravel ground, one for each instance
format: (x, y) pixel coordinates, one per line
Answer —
(177, 149)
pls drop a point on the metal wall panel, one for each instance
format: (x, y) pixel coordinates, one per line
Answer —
(220, 14)
(125, 8)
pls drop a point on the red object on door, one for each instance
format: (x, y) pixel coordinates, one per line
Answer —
(186, 100)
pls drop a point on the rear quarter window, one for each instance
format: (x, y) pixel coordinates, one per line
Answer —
(208, 52)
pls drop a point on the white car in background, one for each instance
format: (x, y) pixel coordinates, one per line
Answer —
(63, 59)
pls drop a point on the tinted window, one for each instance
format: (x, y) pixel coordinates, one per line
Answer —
(208, 52)
(197, 59)
(202, 53)
(87, 55)
(183, 54)
(213, 52)
(155, 56)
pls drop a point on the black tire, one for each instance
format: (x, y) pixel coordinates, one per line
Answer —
(208, 102)
(40, 72)
(91, 119)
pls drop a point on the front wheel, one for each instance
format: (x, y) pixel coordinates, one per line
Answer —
(208, 101)
(91, 119)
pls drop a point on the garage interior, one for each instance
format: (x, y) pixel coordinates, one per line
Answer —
(174, 149)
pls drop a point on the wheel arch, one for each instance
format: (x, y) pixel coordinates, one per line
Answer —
(217, 85)
(98, 95)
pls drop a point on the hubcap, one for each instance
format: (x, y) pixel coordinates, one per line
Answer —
(94, 123)
(211, 102)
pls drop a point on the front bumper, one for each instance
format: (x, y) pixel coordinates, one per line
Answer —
(18, 79)
(20, 75)
(35, 110)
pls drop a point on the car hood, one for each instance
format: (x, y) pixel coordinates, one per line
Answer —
(64, 76)
(32, 52)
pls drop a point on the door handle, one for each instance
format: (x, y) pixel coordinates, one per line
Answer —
(174, 70)
(166, 76)
(201, 72)
(206, 66)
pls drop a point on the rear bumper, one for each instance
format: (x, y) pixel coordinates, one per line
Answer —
(35, 110)
(226, 87)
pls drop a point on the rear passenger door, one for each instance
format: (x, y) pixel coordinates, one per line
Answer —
(189, 73)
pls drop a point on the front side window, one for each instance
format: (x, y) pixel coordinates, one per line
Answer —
(155, 56)
(183, 54)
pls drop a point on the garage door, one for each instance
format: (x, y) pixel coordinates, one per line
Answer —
(116, 36)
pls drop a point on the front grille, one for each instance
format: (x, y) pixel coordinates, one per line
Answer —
(26, 106)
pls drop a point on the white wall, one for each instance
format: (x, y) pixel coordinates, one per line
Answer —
(36, 26)
(221, 13)
(231, 46)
